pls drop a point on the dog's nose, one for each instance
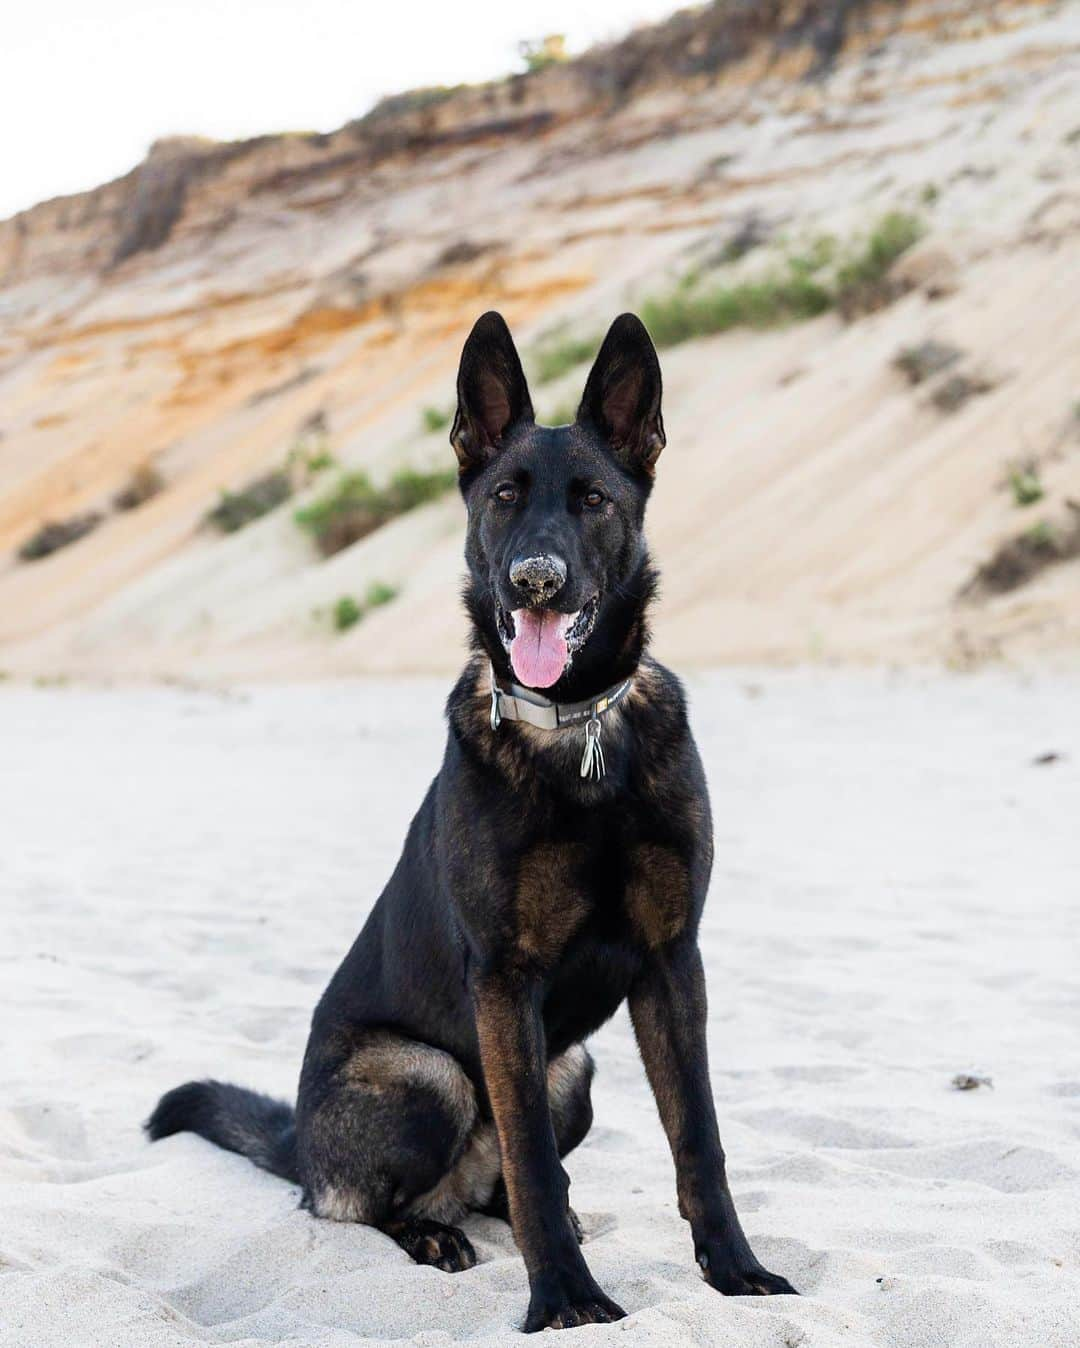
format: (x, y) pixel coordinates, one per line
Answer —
(539, 577)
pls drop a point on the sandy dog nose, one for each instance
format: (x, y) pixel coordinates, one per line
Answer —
(538, 577)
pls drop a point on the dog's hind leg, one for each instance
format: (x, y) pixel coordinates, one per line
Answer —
(382, 1120)
(569, 1082)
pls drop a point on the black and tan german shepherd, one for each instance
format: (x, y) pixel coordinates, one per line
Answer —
(558, 865)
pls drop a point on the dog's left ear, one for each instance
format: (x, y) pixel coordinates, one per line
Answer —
(492, 392)
(622, 395)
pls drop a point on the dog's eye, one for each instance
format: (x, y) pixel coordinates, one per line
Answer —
(594, 498)
(507, 493)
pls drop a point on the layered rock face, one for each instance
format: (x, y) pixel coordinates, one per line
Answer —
(177, 333)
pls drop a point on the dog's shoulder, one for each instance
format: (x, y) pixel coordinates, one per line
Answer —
(667, 764)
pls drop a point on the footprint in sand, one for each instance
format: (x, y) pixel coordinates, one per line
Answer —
(944, 1261)
(825, 1073)
(103, 1046)
(990, 1161)
(821, 1130)
(50, 1129)
(262, 1026)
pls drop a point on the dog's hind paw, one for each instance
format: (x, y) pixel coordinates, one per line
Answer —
(433, 1243)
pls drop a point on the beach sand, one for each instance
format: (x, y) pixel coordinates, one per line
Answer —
(893, 903)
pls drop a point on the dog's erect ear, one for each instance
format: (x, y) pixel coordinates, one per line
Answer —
(492, 392)
(622, 395)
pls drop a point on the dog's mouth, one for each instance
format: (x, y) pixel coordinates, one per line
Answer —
(542, 642)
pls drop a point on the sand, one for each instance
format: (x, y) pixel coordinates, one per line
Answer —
(893, 903)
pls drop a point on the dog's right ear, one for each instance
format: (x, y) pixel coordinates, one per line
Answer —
(492, 392)
(622, 396)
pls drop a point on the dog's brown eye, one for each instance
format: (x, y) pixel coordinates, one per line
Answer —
(594, 498)
(507, 493)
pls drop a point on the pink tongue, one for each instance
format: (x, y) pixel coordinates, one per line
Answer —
(538, 651)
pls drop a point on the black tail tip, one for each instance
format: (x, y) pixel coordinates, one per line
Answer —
(180, 1110)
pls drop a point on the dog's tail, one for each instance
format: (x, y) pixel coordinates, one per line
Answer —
(239, 1120)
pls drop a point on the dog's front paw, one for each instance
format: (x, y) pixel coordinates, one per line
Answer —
(598, 1310)
(563, 1302)
(739, 1275)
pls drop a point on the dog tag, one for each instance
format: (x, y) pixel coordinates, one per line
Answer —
(592, 760)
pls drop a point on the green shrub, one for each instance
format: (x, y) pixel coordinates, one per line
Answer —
(1017, 560)
(310, 452)
(539, 53)
(318, 462)
(347, 513)
(1026, 486)
(957, 389)
(801, 285)
(926, 359)
(1041, 537)
(866, 266)
(356, 507)
(236, 509)
(773, 300)
(435, 418)
(409, 488)
(347, 612)
(379, 593)
(57, 534)
(308, 457)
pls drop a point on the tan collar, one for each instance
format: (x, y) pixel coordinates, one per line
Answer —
(514, 703)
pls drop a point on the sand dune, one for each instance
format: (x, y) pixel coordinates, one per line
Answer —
(813, 505)
(893, 903)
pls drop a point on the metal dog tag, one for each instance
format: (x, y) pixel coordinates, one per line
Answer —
(592, 760)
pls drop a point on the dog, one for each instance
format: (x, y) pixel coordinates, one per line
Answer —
(558, 866)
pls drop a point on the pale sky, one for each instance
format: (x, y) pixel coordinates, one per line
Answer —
(86, 85)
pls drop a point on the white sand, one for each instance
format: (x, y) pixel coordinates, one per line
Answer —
(894, 902)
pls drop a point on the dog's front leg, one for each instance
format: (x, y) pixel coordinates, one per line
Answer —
(512, 1053)
(668, 1009)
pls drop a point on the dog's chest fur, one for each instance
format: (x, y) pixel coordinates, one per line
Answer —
(609, 889)
(585, 914)
(587, 877)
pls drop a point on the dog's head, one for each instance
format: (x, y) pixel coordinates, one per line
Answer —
(558, 570)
